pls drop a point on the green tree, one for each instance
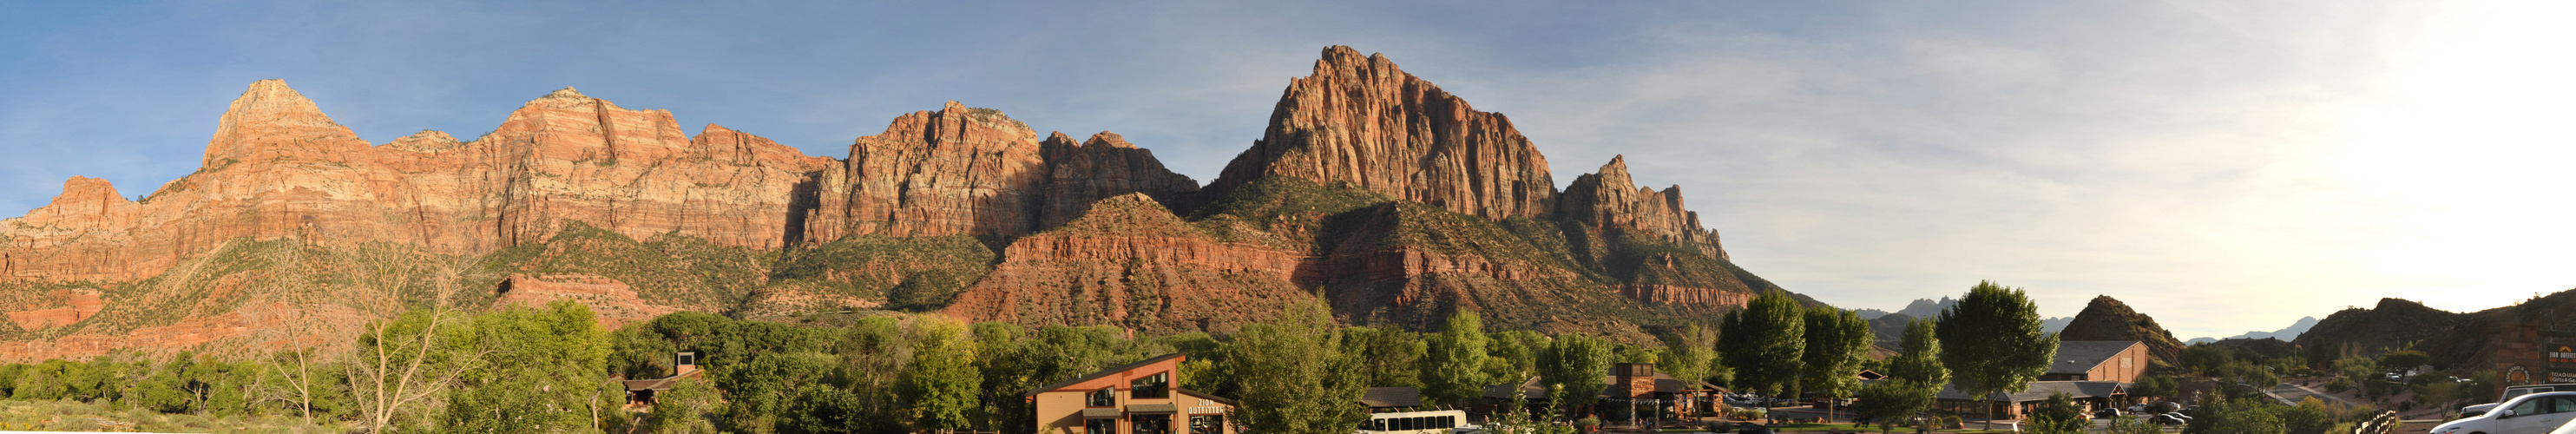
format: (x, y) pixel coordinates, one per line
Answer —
(1453, 368)
(1837, 342)
(2157, 386)
(2060, 414)
(539, 375)
(407, 362)
(1689, 353)
(1893, 402)
(1515, 354)
(1764, 343)
(2408, 359)
(1575, 364)
(1294, 379)
(2240, 416)
(2205, 359)
(944, 380)
(1387, 357)
(1918, 368)
(1992, 342)
(2309, 417)
(684, 408)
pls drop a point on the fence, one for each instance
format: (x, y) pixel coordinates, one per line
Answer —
(2383, 424)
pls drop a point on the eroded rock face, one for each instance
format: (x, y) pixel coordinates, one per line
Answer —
(1607, 201)
(958, 170)
(1129, 262)
(1102, 167)
(2107, 319)
(612, 301)
(1362, 120)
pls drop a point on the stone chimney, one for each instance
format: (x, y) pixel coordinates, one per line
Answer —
(686, 362)
(1633, 380)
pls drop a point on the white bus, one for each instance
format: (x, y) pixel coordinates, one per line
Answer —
(1418, 422)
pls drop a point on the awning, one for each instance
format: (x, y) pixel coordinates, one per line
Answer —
(1100, 413)
(1152, 408)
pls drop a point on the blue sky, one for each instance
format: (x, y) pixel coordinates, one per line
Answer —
(2223, 166)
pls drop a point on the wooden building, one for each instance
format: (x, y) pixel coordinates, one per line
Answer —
(2121, 361)
(1137, 398)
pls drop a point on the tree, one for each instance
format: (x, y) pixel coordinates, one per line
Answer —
(1294, 380)
(1992, 342)
(1892, 401)
(1837, 342)
(2059, 415)
(1575, 364)
(2241, 416)
(943, 378)
(684, 408)
(2408, 359)
(1917, 368)
(1387, 357)
(2157, 386)
(1764, 343)
(2309, 417)
(2205, 359)
(1453, 368)
(405, 362)
(1689, 353)
(1515, 354)
(541, 374)
(874, 351)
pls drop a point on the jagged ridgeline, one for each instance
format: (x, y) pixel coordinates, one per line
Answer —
(1371, 189)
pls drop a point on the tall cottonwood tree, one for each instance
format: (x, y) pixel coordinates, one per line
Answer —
(1764, 343)
(1574, 365)
(1689, 353)
(1453, 370)
(943, 379)
(1837, 343)
(1294, 378)
(1992, 342)
(403, 364)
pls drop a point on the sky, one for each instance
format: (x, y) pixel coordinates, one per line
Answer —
(2222, 166)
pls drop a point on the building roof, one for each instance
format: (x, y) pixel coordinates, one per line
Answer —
(2040, 390)
(1205, 395)
(1385, 397)
(1102, 373)
(664, 383)
(2079, 357)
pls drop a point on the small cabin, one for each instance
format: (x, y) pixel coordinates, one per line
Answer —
(639, 393)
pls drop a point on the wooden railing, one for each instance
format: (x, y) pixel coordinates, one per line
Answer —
(2386, 422)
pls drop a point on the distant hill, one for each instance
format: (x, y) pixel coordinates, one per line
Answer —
(2107, 319)
(1928, 308)
(2290, 333)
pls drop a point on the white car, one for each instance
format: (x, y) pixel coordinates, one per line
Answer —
(2538, 413)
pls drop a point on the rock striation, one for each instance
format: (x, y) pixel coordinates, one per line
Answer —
(1361, 120)
(2107, 319)
(1129, 262)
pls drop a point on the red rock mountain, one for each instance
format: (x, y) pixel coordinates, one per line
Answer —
(1361, 120)
(1393, 200)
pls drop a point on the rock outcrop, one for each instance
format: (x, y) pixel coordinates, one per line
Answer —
(1363, 121)
(2107, 319)
(612, 301)
(1606, 201)
(1102, 167)
(1128, 261)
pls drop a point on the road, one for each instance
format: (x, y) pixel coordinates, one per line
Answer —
(2292, 394)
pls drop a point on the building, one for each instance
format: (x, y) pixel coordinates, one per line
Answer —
(1625, 383)
(639, 393)
(1137, 398)
(1391, 399)
(2120, 361)
(2094, 395)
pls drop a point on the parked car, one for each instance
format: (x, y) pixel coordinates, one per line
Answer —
(2140, 408)
(2169, 419)
(2536, 413)
(2106, 413)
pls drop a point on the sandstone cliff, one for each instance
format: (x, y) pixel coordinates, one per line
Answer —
(1129, 262)
(1361, 120)
(2107, 319)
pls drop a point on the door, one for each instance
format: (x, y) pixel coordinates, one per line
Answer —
(2538, 415)
(2560, 409)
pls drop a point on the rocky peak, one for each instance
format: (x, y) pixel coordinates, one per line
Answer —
(271, 121)
(425, 141)
(2107, 319)
(1102, 167)
(565, 93)
(1363, 121)
(1607, 201)
(958, 170)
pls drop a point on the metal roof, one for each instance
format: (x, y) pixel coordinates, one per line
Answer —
(1103, 373)
(2078, 357)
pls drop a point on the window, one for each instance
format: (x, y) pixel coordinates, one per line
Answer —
(2527, 407)
(2562, 405)
(1151, 387)
(1152, 424)
(1105, 397)
(1207, 424)
(1100, 426)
